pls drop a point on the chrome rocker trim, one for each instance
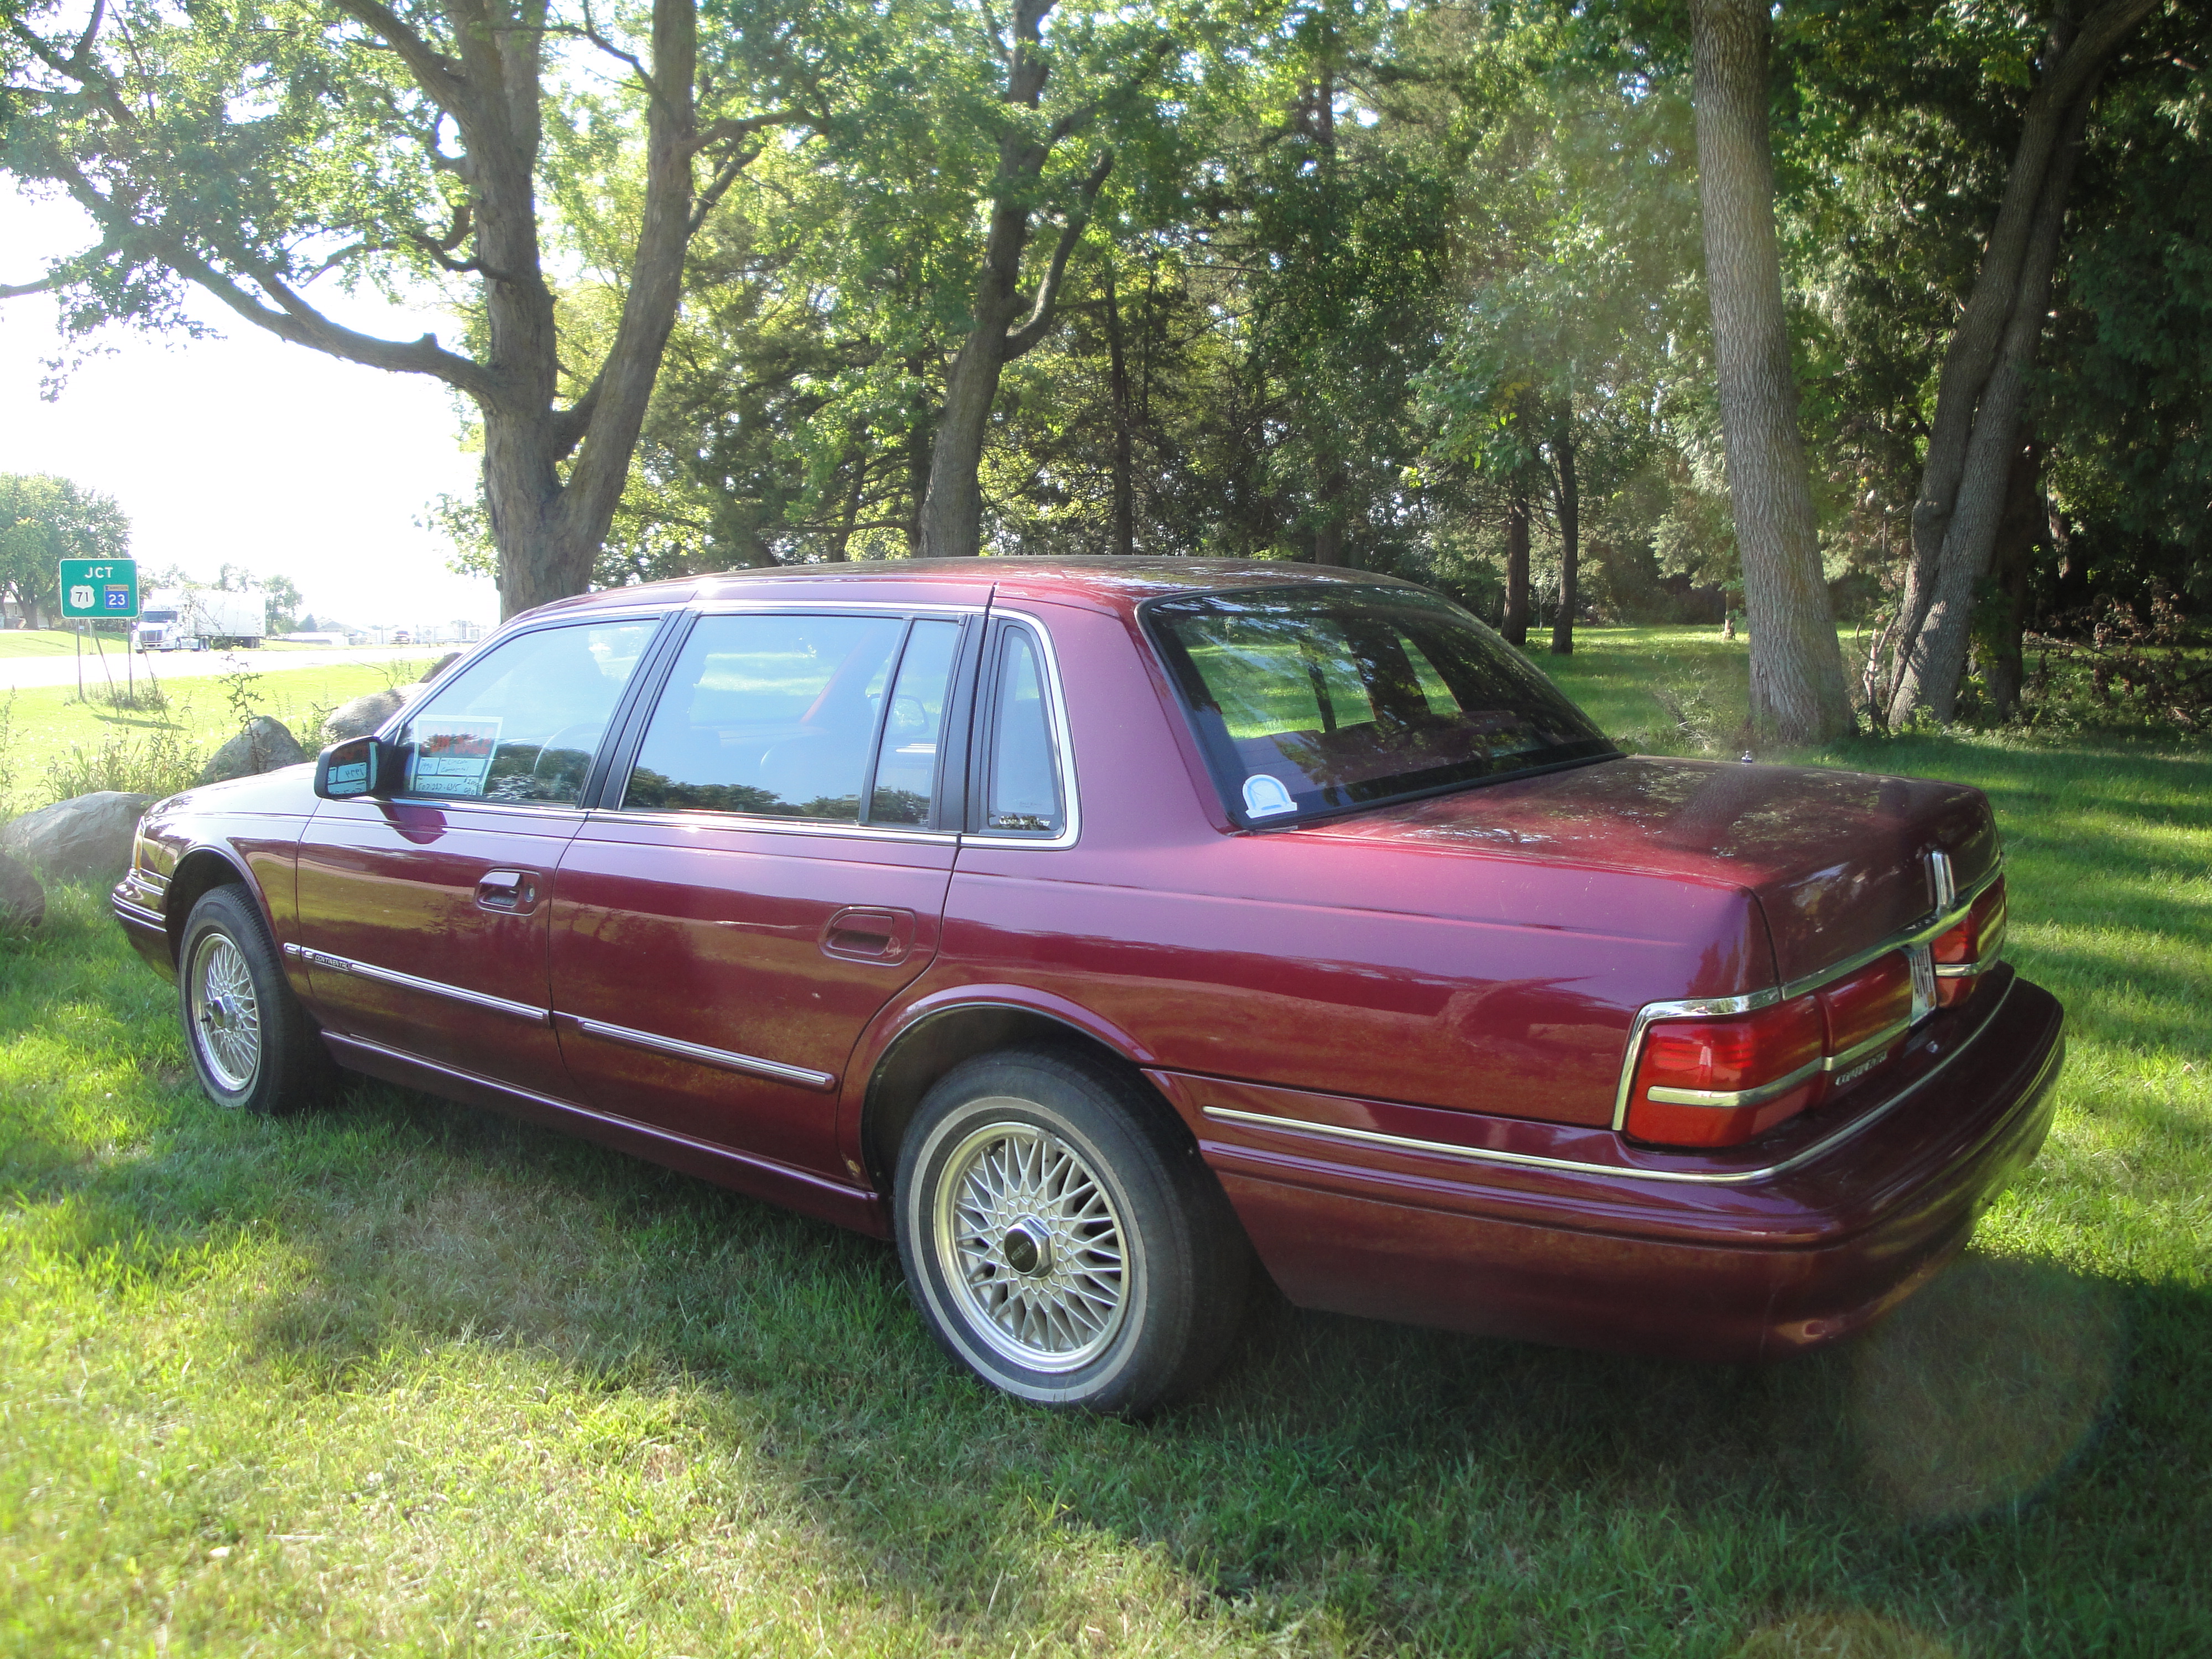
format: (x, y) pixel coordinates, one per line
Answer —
(804, 1075)
(338, 964)
(138, 912)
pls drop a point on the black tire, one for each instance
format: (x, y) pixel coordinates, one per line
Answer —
(1062, 1241)
(254, 1047)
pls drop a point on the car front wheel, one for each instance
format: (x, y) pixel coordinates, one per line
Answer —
(251, 1044)
(1061, 1240)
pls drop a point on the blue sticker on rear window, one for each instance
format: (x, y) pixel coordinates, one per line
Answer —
(1265, 796)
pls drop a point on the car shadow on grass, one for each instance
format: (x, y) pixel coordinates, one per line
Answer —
(1368, 1485)
(1413, 1485)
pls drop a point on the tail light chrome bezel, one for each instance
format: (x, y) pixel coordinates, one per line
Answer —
(1931, 981)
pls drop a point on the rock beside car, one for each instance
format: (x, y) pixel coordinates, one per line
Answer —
(22, 898)
(263, 746)
(365, 714)
(439, 667)
(85, 838)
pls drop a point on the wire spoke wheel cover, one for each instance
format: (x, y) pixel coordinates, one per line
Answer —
(224, 1012)
(1031, 1244)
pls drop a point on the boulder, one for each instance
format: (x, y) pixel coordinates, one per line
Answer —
(22, 899)
(85, 838)
(263, 746)
(441, 666)
(365, 714)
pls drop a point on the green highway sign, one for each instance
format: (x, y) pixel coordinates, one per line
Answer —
(100, 588)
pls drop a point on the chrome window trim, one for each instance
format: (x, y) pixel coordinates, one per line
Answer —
(830, 608)
(1707, 1007)
(338, 964)
(1578, 1166)
(1063, 748)
(724, 1058)
(706, 818)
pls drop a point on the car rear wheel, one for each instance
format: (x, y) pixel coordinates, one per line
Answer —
(1062, 1240)
(252, 1046)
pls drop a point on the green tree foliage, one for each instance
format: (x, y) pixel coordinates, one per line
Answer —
(44, 520)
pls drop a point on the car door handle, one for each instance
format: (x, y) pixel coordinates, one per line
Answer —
(511, 893)
(865, 933)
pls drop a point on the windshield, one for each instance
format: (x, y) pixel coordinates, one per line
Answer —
(1310, 700)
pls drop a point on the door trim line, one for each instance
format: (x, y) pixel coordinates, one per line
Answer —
(338, 964)
(805, 1076)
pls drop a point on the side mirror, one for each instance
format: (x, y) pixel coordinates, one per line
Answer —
(358, 766)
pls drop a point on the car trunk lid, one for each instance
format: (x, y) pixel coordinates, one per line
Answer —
(1837, 861)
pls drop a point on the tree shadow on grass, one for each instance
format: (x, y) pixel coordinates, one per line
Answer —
(1419, 1486)
(2013, 1425)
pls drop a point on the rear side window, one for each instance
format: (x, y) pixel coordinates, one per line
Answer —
(524, 720)
(1022, 786)
(800, 717)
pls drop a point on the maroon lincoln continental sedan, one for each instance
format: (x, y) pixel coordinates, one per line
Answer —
(1096, 929)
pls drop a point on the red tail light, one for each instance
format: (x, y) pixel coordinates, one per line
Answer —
(1715, 1082)
(1969, 949)
(1867, 1013)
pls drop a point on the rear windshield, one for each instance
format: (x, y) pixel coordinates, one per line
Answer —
(1314, 699)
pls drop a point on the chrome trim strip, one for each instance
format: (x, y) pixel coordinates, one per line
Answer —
(338, 964)
(1941, 878)
(1728, 1100)
(1859, 1051)
(706, 819)
(1063, 743)
(1705, 1007)
(124, 907)
(706, 1056)
(728, 607)
(571, 1108)
(1577, 1166)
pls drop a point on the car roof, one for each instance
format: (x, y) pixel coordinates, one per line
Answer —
(1108, 582)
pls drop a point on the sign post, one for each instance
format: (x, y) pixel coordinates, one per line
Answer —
(95, 588)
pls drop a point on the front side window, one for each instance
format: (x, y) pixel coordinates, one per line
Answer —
(787, 716)
(524, 720)
(1311, 698)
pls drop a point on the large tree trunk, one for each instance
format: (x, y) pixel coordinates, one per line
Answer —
(1122, 534)
(952, 511)
(1569, 502)
(1797, 693)
(1516, 570)
(2013, 565)
(1328, 534)
(1985, 369)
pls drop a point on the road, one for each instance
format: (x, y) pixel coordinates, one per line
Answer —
(22, 673)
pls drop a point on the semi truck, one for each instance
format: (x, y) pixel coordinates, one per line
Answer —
(207, 620)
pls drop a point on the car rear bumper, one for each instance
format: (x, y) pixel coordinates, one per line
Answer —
(1562, 1235)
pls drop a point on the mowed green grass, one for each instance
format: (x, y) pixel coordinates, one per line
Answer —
(398, 1378)
(50, 726)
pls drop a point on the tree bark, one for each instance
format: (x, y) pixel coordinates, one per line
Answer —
(1516, 570)
(1797, 690)
(2000, 627)
(953, 510)
(1123, 536)
(1569, 502)
(1964, 477)
(1328, 534)
(552, 476)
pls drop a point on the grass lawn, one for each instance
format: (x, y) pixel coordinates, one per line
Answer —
(398, 1378)
(55, 745)
(61, 642)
